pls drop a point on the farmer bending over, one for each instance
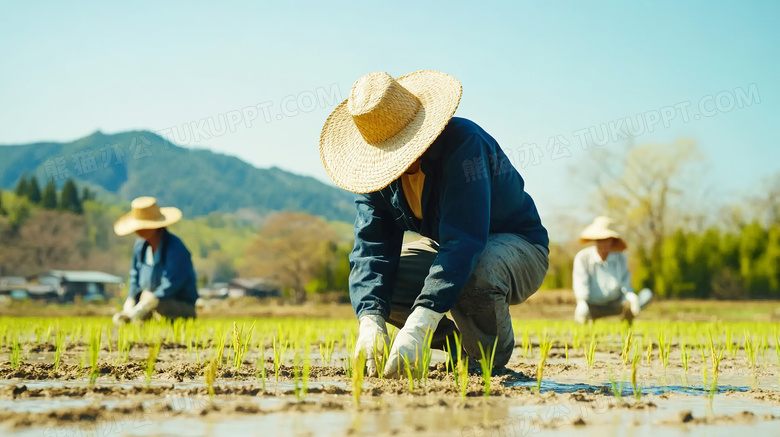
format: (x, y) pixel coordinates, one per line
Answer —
(601, 280)
(415, 168)
(162, 279)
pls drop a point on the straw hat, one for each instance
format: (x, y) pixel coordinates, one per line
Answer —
(145, 214)
(602, 228)
(371, 138)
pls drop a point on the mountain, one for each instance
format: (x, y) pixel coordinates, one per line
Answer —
(198, 181)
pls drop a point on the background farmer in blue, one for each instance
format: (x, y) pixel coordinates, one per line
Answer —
(415, 168)
(162, 279)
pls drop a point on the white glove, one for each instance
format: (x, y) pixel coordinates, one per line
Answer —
(410, 340)
(146, 303)
(633, 303)
(372, 337)
(128, 306)
(582, 312)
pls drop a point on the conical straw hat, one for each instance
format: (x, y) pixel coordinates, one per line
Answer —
(371, 138)
(146, 214)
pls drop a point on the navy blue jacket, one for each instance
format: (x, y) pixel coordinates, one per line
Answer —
(471, 190)
(171, 277)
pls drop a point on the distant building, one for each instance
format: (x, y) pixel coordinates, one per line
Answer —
(254, 287)
(217, 290)
(71, 283)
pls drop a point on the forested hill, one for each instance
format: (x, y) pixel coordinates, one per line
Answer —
(132, 164)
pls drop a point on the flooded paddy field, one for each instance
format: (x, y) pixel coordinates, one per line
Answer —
(74, 377)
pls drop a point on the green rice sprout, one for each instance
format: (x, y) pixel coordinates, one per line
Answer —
(628, 340)
(16, 353)
(261, 362)
(408, 371)
(380, 359)
(751, 351)
(210, 374)
(326, 350)
(94, 353)
(590, 352)
(357, 377)
(649, 351)
(617, 390)
(60, 348)
(221, 340)
(684, 355)
(306, 367)
(544, 349)
(150, 362)
(635, 361)
(427, 355)
(279, 353)
(486, 363)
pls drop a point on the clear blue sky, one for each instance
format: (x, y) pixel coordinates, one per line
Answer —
(530, 71)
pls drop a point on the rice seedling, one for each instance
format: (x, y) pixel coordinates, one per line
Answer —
(486, 363)
(566, 347)
(16, 353)
(590, 352)
(279, 353)
(617, 389)
(357, 377)
(684, 355)
(628, 340)
(751, 352)
(306, 367)
(408, 370)
(704, 366)
(261, 363)
(635, 361)
(94, 353)
(460, 371)
(240, 347)
(59, 349)
(777, 351)
(664, 348)
(326, 350)
(527, 346)
(649, 351)
(210, 374)
(150, 362)
(427, 355)
(544, 349)
(221, 340)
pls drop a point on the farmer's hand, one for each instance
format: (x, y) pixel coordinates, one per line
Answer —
(372, 340)
(146, 304)
(128, 306)
(633, 303)
(411, 341)
(120, 318)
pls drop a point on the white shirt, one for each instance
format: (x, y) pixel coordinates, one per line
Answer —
(597, 281)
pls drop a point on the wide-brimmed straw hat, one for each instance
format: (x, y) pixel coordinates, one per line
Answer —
(373, 137)
(146, 214)
(603, 228)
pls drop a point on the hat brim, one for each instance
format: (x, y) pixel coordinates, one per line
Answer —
(360, 167)
(127, 224)
(619, 245)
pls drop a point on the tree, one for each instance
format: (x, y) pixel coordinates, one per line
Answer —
(642, 188)
(2, 211)
(70, 198)
(86, 194)
(49, 196)
(33, 190)
(292, 248)
(21, 186)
